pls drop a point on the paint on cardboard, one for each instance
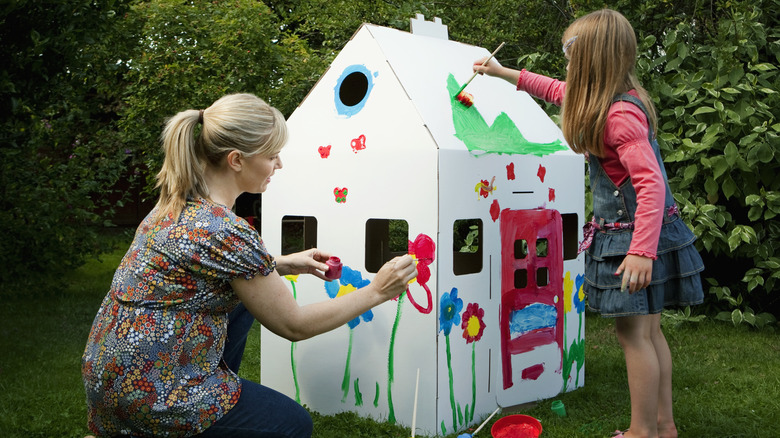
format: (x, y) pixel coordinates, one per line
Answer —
(353, 89)
(502, 137)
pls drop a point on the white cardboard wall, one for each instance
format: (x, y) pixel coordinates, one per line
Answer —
(399, 152)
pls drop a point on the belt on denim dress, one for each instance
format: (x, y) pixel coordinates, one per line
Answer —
(589, 230)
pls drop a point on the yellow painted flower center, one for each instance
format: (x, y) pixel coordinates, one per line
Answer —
(473, 326)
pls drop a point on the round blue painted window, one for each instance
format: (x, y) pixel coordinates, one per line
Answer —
(352, 89)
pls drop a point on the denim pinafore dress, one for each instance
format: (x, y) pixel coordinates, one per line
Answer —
(675, 279)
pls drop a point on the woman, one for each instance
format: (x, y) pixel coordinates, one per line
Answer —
(167, 342)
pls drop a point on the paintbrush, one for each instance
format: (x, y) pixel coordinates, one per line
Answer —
(469, 435)
(466, 100)
(414, 412)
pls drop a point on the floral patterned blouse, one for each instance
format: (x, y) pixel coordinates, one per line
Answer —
(152, 365)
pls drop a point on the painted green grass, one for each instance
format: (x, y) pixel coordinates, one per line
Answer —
(727, 379)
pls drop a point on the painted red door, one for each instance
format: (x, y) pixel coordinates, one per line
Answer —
(531, 313)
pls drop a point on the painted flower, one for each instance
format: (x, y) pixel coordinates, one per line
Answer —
(473, 326)
(568, 287)
(449, 311)
(579, 293)
(350, 281)
(423, 249)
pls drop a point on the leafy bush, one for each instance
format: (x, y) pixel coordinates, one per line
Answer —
(87, 85)
(191, 54)
(717, 93)
(59, 155)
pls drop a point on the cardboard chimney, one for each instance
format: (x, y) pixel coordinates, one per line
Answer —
(383, 161)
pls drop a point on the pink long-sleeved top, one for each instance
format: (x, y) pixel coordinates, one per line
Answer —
(627, 154)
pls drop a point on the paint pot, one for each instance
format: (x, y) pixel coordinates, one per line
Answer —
(558, 408)
(334, 268)
(516, 426)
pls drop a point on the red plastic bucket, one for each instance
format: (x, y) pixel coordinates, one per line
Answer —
(516, 426)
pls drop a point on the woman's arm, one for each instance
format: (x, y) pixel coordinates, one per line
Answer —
(311, 261)
(269, 300)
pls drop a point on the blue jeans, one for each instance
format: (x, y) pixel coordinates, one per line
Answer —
(260, 412)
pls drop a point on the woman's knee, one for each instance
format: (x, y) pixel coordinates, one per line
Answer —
(302, 423)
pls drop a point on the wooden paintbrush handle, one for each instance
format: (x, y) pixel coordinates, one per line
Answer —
(483, 64)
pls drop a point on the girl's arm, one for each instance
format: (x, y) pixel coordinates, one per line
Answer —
(269, 300)
(630, 155)
(539, 86)
(495, 69)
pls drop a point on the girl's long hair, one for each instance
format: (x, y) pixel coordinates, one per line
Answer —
(602, 59)
(241, 122)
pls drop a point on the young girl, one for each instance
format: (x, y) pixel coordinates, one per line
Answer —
(640, 256)
(167, 342)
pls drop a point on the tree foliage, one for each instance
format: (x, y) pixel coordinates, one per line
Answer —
(58, 146)
(716, 84)
(190, 54)
(88, 85)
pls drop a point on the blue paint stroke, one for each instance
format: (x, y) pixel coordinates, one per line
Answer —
(346, 110)
(578, 303)
(449, 314)
(532, 317)
(350, 277)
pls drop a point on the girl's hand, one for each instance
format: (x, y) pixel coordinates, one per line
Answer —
(394, 276)
(311, 261)
(637, 272)
(493, 68)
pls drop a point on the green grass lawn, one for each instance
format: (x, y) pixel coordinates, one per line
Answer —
(727, 379)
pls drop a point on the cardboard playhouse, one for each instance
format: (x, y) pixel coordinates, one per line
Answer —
(383, 160)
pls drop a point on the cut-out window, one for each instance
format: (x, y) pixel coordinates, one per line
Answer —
(541, 247)
(542, 277)
(467, 246)
(299, 233)
(571, 234)
(521, 279)
(353, 88)
(521, 248)
(385, 239)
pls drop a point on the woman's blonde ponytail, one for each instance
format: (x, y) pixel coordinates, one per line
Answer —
(241, 122)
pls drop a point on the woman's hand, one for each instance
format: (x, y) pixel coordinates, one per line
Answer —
(637, 272)
(394, 276)
(311, 261)
(269, 299)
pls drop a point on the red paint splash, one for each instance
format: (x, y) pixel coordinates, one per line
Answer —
(510, 171)
(358, 144)
(324, 151)
(341, 195)
(541, 173)
(533, 372)
(495, 210)
(552, 194)
(485, 187)
(424, 250)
